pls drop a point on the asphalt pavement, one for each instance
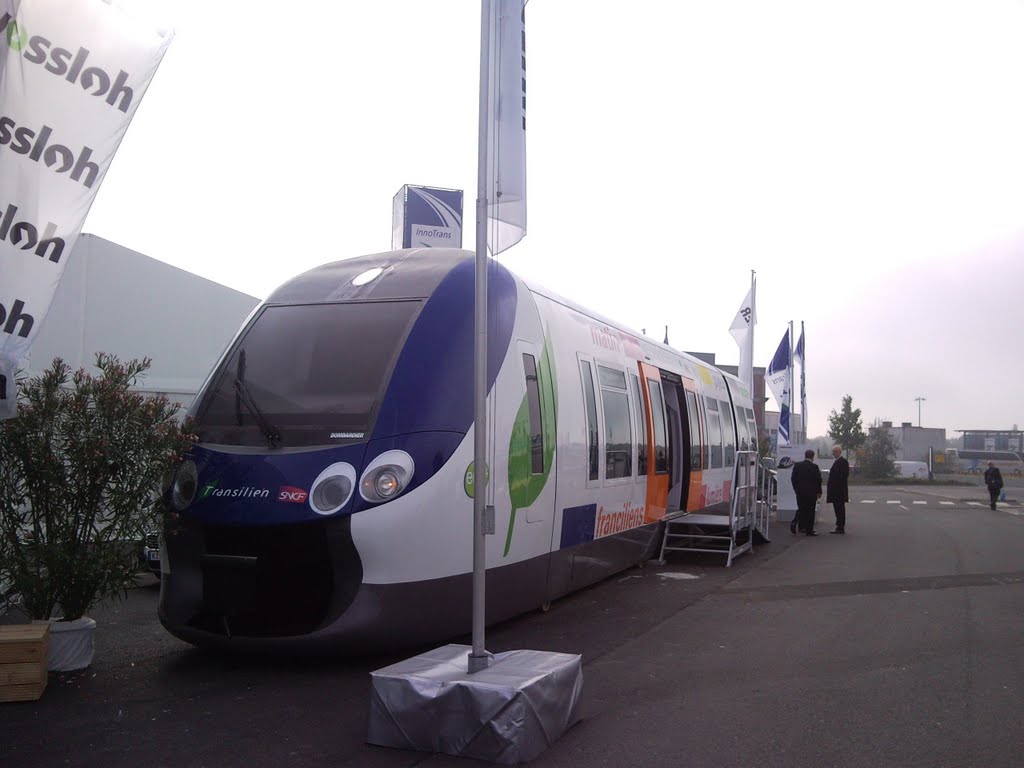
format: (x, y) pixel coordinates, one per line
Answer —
(898, 644)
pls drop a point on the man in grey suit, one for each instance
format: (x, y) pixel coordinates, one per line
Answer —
(839, 487)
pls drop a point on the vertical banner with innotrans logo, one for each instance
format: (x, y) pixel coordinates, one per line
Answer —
(72, 74)
(426, 217)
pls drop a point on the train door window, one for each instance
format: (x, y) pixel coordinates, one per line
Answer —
(691, 413)
(590, 400)
(714, 432)
(618, 430)
(742, 430)
(660, 431)
(641, 427)
(752, 429)
(728, 434)
(705, 443)
(533, 406)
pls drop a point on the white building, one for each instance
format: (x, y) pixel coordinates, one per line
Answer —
(112, 299)
(912, 443)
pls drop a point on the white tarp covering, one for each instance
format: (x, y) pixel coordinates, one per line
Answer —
(508, 713)
(72, 74)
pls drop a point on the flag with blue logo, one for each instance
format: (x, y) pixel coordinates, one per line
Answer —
(778, 379)
(742, 330)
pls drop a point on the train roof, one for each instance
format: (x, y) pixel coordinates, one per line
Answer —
(642, 337)
(417, 277)
(415, 273)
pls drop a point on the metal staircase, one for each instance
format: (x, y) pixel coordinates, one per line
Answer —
(729, 534)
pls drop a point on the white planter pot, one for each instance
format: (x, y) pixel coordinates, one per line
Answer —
(71, 644)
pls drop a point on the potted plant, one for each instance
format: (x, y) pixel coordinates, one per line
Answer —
(80, 472)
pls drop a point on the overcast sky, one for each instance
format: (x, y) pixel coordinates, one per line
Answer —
(864, 157)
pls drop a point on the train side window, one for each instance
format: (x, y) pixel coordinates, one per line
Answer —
(714, 432)
(728, 433)
(618, 431)
(691, 414)
(533, 406)
(660, 431)
(641, 428)
(590, 400)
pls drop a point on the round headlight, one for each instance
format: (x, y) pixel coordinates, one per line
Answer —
(332, 493)
(333, 488)
(386, 484)
(386, 476)
(186, 480)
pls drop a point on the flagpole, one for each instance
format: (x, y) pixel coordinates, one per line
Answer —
(479, 658)
(750, 338)
(803, 373)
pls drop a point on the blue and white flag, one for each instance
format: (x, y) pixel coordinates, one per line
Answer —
(506, 126)
(798, 354)
(778, 379)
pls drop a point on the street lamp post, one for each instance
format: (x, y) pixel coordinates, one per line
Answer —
(919, 401)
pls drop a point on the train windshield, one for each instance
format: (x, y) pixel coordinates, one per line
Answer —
(305, 375)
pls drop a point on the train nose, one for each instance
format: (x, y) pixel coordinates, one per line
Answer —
(246, 582)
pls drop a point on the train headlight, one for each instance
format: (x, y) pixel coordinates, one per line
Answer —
(386, 476)
(333, 488)
(183, 489)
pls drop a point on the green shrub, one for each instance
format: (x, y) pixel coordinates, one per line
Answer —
(81, 467)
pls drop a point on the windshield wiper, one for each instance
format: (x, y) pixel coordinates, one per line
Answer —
(268, 430)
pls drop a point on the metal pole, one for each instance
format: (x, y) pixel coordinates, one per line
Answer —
(919, 401)
(479, 658)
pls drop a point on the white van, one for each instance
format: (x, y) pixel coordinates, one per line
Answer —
(914, 469)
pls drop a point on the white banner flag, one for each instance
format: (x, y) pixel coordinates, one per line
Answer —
(742, 330)
(777, 377)
(72, 74)
(506, 126)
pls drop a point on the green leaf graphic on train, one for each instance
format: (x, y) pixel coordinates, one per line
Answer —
(16, 37)
(531, 447)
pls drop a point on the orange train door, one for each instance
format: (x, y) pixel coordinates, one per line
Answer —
(695, 453)
(686, 441)
(657, 443)
(670, 483)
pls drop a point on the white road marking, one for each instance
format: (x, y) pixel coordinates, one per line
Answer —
(867, 501)
(893, 501)
(975, 504)
(946, 503)
(679, 576)
(920, 502)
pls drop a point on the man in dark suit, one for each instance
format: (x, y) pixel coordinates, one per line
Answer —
(807, 485)
(839, 487)
(994, 483)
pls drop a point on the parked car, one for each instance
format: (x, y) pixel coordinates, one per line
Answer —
(150, 554)
(915, 469)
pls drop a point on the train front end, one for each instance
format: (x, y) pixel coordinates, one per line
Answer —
(346, 393)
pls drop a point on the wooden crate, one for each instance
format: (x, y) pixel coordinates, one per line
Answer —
(23, 661)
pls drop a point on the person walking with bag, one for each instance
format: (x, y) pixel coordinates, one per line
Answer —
(839, 488)
(807, 485)
(994, 482)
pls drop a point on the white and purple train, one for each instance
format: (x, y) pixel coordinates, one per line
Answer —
(327, 505)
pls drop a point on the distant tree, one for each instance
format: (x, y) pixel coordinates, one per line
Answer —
(764, 446)
(845, 427)
(878, 457)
